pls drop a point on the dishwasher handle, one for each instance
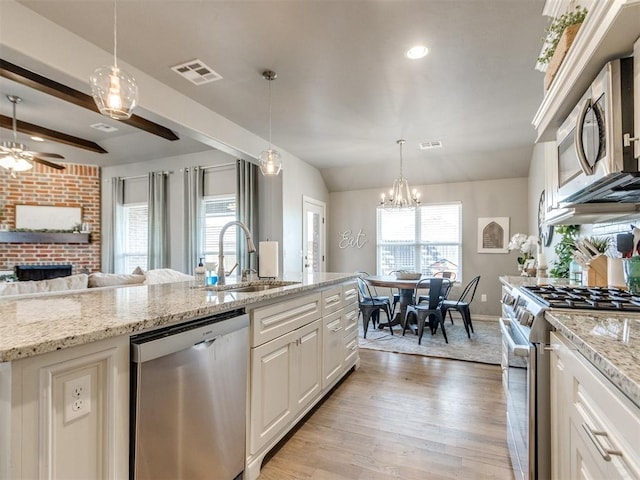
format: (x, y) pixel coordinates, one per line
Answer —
(146, 348)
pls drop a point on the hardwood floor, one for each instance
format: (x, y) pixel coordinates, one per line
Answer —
(403, 416)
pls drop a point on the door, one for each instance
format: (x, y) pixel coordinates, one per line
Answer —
(313, 235)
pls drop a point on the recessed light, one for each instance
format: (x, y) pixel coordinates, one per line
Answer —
(37, 139)
(419, 51)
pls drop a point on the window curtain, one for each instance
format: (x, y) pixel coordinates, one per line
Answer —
(247, 213)
(193, 194)
(158, 250)
(112, 243)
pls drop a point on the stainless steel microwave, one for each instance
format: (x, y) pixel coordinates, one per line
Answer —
(595, 163)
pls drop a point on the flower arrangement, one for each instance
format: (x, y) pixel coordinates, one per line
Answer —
(556, 28)
(526, 244)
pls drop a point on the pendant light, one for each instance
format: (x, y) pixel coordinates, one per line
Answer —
(270, 162)
(400, 196)
(114, 90)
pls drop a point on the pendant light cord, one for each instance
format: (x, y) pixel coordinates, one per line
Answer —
(270, 80)
(401, 142)
(115, 34)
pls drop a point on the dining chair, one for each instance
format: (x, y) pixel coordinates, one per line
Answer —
(371, 305)
(430, 311)
(374, 291)
(451, 276)
(462, 304)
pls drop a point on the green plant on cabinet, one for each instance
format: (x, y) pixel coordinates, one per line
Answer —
(554, 31)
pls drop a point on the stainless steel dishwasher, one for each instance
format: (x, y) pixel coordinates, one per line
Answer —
(188, 400)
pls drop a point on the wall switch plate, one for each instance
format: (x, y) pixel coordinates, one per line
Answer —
(483, 297)
(77, 398)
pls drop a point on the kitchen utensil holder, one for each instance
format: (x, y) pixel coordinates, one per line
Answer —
(596, 274)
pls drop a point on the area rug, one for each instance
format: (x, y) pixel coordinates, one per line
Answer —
(484, 346)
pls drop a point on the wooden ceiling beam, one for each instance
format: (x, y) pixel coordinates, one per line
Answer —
(68, 94)
(48, 134)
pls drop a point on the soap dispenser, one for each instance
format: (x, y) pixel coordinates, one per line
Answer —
(200, 273)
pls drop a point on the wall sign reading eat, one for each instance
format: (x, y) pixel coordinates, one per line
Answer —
(349, 239)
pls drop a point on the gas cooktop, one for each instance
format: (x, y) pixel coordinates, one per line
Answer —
(587, 298)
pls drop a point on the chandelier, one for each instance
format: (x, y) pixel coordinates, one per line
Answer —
(114, 90)
(270, 162)
(400, 196)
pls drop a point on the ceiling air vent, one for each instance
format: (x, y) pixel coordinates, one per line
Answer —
(103, 127)
(430, 145)
(196, 72)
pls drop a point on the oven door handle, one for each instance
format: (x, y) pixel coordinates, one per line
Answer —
(518, 350)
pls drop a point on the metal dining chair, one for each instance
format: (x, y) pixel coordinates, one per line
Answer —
(443, 274)
(462, 304)
(430, 311)
(371, 305)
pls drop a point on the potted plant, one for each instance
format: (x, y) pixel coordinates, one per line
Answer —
(564, 250)
(559, 36)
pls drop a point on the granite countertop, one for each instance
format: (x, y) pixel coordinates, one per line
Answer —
(519, 281)
(35, 324)
(609, 340)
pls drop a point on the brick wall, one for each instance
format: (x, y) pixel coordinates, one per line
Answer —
(76, 186)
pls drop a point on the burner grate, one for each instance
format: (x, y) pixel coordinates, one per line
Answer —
(589, 298)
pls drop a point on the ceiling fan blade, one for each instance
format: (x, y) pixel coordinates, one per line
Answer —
(49, 155)
(47, 163)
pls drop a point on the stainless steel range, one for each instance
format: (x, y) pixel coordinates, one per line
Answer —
(525, 364)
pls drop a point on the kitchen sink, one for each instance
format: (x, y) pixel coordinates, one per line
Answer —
(245, 287)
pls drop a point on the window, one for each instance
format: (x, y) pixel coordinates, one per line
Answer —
(219, 210)
(134, 234)
(426, 239)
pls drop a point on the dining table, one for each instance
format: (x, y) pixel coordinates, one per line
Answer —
(406, 289)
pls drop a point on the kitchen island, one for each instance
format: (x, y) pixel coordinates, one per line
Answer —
(48, 341)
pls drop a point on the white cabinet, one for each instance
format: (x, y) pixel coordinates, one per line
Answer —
(285, 377)
(595, 428)
(49, 437)
(300, 350)
(333, 347)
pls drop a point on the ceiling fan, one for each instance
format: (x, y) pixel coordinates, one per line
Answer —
(15, 156)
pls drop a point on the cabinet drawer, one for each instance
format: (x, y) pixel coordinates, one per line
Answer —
(350, 349)
(331, 299)
(350, 320)
(349, 293)
(600, 415)
(272, 321)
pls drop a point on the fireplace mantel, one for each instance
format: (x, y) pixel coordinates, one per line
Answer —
(43, 237)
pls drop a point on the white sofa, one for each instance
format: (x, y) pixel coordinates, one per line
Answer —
(83, 281)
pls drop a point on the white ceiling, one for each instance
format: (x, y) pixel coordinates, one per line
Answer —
(344, 93)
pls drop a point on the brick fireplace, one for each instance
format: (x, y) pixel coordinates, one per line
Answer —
(76, 186)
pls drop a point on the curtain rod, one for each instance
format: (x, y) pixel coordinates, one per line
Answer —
(145, 176)
(230, 164)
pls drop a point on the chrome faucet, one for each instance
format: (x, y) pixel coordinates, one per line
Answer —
(250, 247)
(246, 272)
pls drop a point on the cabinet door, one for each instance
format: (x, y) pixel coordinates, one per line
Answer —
(333, 348)
(559, 416)
(271, 389)
(307, 370)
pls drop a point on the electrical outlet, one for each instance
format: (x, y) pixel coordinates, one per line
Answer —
(77, 398)
(483, 297)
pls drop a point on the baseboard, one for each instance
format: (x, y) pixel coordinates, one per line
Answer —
(484, 318)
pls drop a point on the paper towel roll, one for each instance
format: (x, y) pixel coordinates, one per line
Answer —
(615, 274)
(268, 259)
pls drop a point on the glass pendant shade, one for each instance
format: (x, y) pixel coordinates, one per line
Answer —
(114, 91)
(270, 162)
(400, 196)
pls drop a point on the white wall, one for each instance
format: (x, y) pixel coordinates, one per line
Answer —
(298, 179)
(356, 210)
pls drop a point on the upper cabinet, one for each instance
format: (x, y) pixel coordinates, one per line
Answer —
(609, 31)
